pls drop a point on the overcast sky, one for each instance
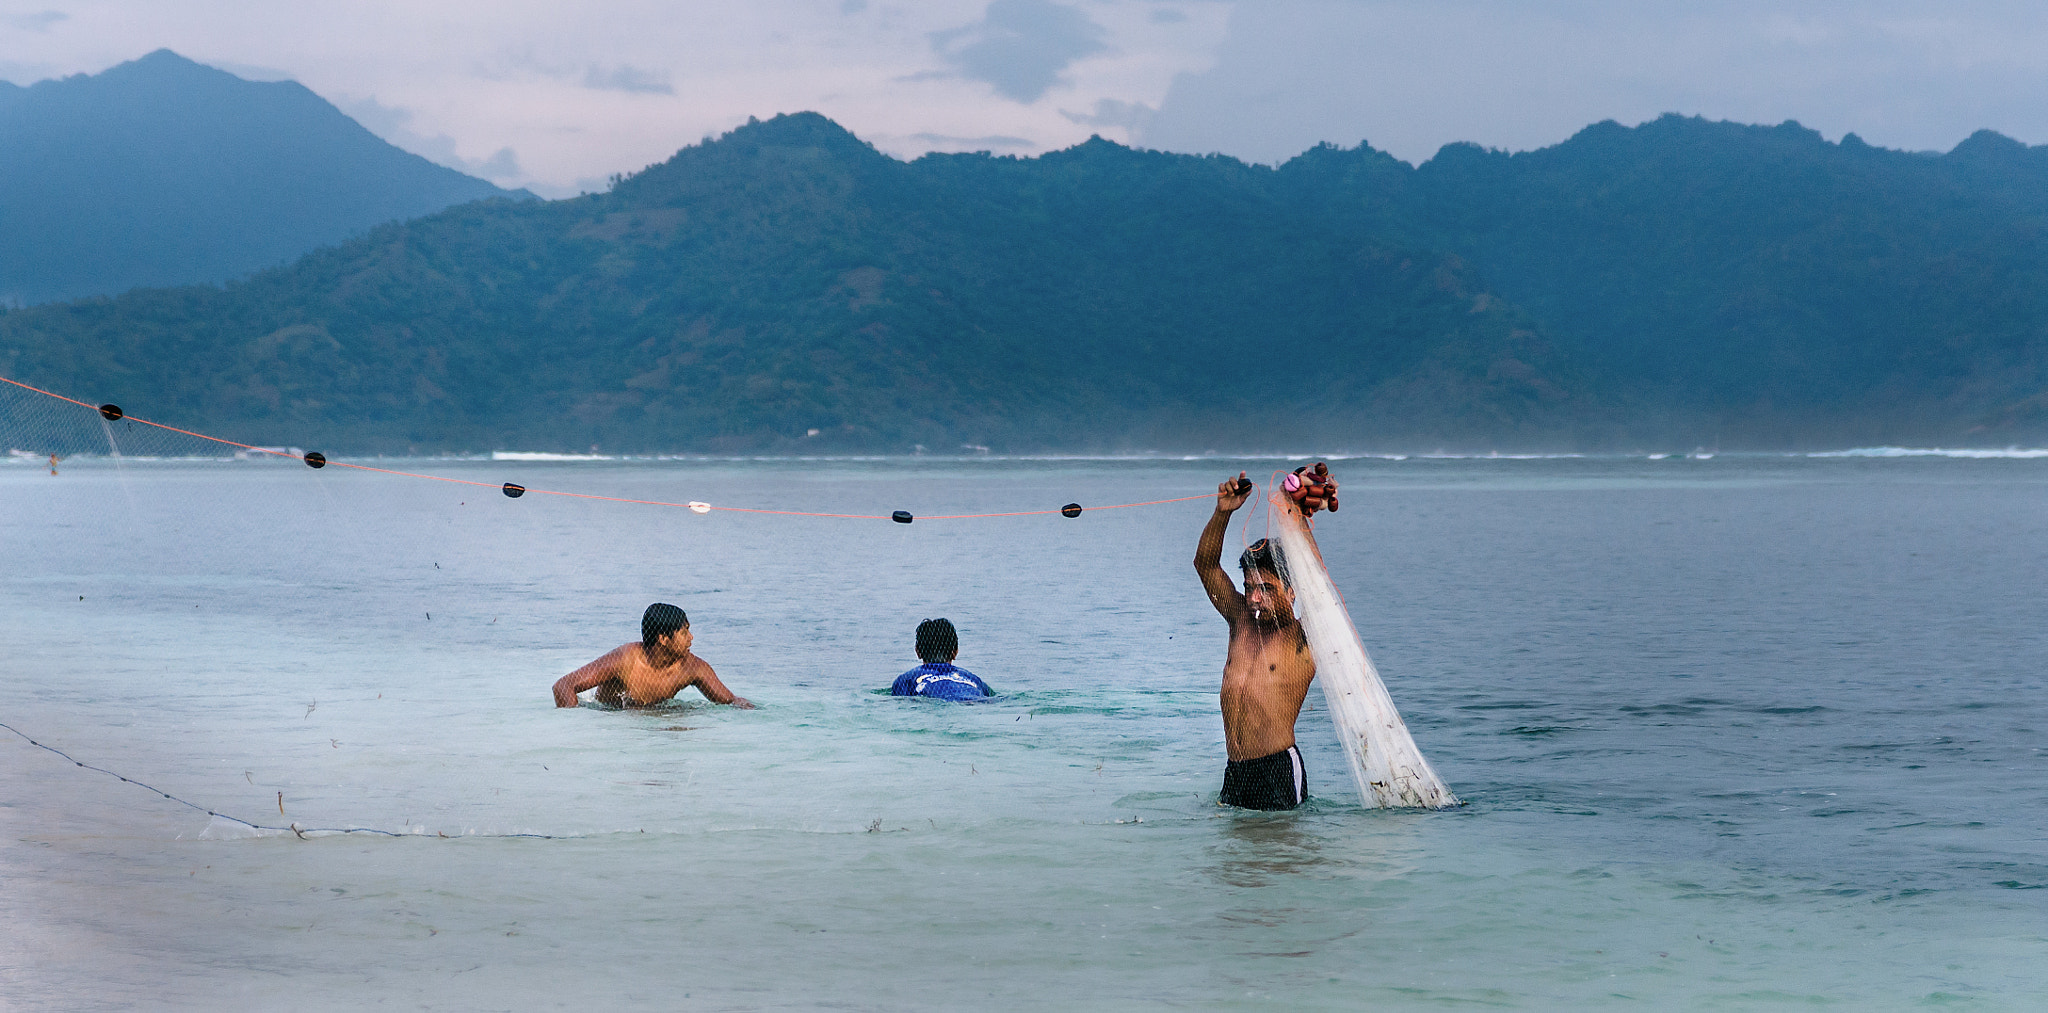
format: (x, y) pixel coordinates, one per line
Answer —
(557, 96)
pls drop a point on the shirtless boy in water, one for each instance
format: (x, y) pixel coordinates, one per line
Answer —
(651, 671)
(1267, 672)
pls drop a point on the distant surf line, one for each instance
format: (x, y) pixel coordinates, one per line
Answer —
(249, 452)
(2007, 453)
(545, 457)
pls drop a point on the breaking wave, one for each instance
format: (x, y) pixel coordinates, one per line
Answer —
(2015, 453)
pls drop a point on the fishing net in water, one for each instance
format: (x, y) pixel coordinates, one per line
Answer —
(1384, 760)
(290, 643)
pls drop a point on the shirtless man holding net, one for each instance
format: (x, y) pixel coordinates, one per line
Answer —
(651, 671)
(1267, 672)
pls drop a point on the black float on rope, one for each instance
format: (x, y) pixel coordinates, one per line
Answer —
(110, 412)
(316, 459)
(514, 490)
(1071, 510)
(901, 517)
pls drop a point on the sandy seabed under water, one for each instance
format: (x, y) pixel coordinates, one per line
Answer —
(1734, 733)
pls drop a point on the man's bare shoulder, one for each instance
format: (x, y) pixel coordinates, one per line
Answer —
(624, 654)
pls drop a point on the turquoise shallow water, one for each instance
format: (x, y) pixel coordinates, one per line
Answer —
(1734, 733)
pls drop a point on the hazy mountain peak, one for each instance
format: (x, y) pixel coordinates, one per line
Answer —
(794, 130)
(163, 63)
(162, 73)
(165, 171)
(1990, 144)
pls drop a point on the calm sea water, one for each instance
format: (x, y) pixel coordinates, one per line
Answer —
(1734, 733)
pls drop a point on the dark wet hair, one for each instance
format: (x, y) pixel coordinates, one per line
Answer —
(1264, 554)
(937, 640)
(660, 620)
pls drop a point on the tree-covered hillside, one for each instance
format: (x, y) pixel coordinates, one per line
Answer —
(788, 278)
(1678, 284)
(1758, 285)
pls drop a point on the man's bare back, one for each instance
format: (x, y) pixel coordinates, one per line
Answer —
(1267, 671)
(634, 675)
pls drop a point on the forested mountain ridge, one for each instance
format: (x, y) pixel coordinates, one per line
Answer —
(1676, 284)
(788, 278)
(1758, 283)
(162, 171)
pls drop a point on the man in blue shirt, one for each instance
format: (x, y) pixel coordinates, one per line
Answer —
(937, 645)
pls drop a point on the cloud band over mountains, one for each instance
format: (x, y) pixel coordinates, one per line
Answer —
(579, 93)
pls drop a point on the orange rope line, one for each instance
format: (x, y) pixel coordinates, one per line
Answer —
(1035, 513)
(579, 495)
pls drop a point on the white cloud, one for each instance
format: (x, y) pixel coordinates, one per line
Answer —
(1020, 46)
(991, 142)
(628, 78)
(35, 21)
(1130, 117)
(566, 94)
(1412, 77)
(503, 164)
(582, 91)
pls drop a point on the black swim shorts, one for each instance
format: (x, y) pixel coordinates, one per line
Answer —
(1269, 782)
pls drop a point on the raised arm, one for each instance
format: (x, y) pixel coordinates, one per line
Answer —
(1223, 593)
(589, 676)
(707, 683)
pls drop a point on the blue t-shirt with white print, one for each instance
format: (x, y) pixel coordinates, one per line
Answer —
(941, 679)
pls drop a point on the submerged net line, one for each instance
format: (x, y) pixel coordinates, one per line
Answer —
(293, 828)
(513, 490)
